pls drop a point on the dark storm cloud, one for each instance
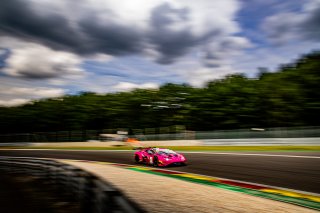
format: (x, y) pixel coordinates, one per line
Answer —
(110, 38)
(303, 25)
(18, 19)
(30, 74)
(170, 42)
(212, 60)
(311, 26)
(168, 32)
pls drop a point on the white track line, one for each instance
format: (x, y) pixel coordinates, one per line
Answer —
(254, 154)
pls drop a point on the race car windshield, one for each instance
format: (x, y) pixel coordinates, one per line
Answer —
(167, 151)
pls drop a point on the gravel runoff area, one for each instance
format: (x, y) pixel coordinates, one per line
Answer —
(163, 194)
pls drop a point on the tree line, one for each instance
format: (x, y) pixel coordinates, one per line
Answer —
(288, 97)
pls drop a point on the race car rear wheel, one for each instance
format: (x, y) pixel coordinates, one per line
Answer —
(155, 162)
(136, 158)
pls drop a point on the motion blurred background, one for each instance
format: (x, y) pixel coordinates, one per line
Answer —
(156, 70)
(159, 66)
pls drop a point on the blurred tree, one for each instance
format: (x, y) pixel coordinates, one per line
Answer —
(288, 97)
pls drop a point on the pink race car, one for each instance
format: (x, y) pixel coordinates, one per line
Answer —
(159, 157)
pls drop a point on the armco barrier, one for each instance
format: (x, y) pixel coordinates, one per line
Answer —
(93, 194)
(263, 142)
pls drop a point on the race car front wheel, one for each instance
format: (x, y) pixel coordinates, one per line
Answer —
(136, 158)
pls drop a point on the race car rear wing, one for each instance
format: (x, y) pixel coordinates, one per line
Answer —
(139, 148)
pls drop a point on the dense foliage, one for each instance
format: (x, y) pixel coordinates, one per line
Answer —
(289, 97)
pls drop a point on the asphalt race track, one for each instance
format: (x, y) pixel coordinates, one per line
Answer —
(293, 170)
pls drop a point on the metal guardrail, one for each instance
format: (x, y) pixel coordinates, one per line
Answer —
(93, 194)
(263, 142)
(288, 132)
(95, 135)
(254, 133)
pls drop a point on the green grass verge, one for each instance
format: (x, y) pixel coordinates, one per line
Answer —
(184, 148)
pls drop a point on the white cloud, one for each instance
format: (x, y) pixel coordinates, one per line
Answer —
(37, 61)
(127, 86)
(192, 72)
(204, 14)
(219, 53)
(285, 27)
(271, 57)
(99, 57)
(35, 92)
(199, 77)
(14, 102)
(12, 94)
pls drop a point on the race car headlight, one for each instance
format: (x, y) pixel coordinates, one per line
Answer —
(167, 159)
(182, 158)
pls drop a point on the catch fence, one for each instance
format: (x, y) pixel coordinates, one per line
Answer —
(164, 133)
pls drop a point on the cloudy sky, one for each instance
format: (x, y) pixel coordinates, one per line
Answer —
(50, 48)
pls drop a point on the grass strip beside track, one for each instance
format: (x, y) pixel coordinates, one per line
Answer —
(180, 148)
